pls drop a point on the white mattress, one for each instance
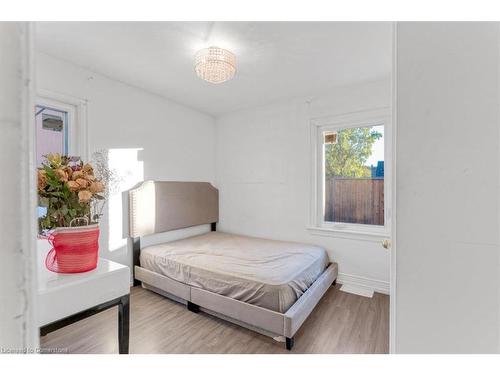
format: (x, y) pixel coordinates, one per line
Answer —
(266, 273)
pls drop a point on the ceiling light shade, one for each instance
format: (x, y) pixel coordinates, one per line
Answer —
(215, 65)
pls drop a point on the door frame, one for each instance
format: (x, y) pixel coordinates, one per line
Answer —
(393, 247)
(28, 208)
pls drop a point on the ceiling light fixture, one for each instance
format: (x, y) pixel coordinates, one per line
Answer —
(215, 65)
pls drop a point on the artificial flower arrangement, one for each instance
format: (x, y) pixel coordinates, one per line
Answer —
(74, 198)
(70, 191)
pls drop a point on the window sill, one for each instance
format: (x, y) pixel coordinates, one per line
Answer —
(371, 236)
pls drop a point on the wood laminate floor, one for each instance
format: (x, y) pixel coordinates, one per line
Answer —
(341, 323)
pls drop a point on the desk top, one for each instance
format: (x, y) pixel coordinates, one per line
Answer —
(49, 281)
(61, 295)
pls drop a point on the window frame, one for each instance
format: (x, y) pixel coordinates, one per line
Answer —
(77, 136)
(376, 117)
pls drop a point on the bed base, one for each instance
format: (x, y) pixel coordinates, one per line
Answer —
(193, 307)
(278, 338)
(275, 323)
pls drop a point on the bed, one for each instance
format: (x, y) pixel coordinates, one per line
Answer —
(265, 285)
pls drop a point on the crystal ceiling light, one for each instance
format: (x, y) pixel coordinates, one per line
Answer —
(215, 65)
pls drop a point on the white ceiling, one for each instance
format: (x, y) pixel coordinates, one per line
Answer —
(275, 60)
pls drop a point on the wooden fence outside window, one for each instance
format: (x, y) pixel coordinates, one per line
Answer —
(354, 200)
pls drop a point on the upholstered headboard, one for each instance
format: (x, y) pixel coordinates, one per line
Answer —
(161, 206)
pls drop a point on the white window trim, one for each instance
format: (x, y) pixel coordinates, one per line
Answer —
(317, 225)
(77, 119)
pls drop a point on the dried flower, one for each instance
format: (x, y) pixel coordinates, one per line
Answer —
(89, 177)
(55, 160)
(61, 174)
(73, 185)
(96, 187)
(87, 168)
(84, 196)
(42, 179)
(69, 171)
(76, 175)
(82, 182)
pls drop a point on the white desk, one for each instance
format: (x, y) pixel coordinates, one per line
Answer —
(66, 298)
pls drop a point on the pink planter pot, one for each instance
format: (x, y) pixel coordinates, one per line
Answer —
(74, 249)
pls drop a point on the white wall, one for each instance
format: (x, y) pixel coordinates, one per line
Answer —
(264, 170)
(149, 137)
(17, 203)
(447, 297)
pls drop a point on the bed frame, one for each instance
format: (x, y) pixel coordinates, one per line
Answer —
(162, 206)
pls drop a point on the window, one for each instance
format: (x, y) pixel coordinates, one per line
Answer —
(352, 173)
(60, 122)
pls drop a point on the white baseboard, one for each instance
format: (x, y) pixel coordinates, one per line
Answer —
(364, 283)
(358, 290)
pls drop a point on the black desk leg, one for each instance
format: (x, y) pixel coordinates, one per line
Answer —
(123, 324)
